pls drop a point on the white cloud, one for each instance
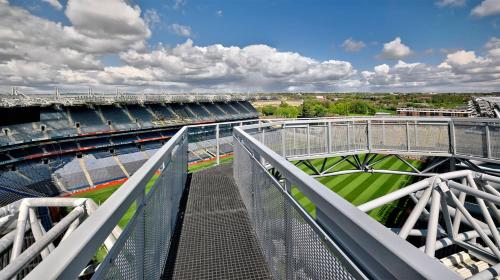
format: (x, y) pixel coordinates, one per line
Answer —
(111, 19)
(487, 8)
(180, 30)
(253, 67)
(219, 13)
(178, 4)
(351, 45)
(455, 3)
(461, 57)
(28, 59)
(54, 3)
(395, 50)
(152, 18)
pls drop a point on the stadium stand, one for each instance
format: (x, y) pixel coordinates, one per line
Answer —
(85, 143)
(140, 115)
(87, 119)
(117, 118)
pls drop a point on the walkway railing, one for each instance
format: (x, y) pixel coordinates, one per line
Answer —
(460, 137)
(142, 249)
(346, 243)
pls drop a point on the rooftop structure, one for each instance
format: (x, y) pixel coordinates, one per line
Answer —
(339, 242)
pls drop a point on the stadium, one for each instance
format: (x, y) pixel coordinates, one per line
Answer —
(103, 187)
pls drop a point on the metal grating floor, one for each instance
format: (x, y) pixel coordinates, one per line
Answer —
(216, 240)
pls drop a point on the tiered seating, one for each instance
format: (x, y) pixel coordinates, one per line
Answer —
(181, 111)
(162, 112)
(215, 110)
(200, 111)
(95, 142)
(88, 119)
(103, 170)
(7, 196)
(56, 122)
(72, 175)
(249, 107)
(119, 120)
(132, 161)
(40, 174)
(141, 115)
(26, 131)
(227, 108)
(15, 182)
(122, 139)
(126, 149)
(153, 145)
(20, 153)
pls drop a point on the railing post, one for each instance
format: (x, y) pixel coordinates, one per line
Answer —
(288, 233)
(283, 141)
(329, 136)
(407, 136)
(488, 141)
(217, 144)
(368, 134)
(348, 138)
(452, 138)
(308, 135)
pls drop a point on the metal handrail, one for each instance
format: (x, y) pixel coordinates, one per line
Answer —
(71, 256)
(376, 250)
(451, 124)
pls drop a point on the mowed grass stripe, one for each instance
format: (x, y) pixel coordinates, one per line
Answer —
(358, 188)
(366, 183)
(379, 184)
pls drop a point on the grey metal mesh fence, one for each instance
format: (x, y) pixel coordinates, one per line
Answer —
(359, 140)
(291, 245)
(388, 136)
(142, 249)
(470, 139)
(429, 137)
(318, 139)
(339, 137)
(495, 141)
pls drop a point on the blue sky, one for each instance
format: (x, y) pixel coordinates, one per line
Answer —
(298, 35)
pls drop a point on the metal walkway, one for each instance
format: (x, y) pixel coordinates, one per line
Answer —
(216, 240)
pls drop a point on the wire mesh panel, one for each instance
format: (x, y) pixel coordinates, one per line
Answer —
(390, 136)
(292, 247)
(318, 139)
(495, 141)
(339, 137)
(142, 249)
(429, 137)
(470, 139)
(358, 135)
(296, 143)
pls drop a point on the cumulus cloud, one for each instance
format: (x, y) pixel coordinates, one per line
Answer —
(111, 19)
(54, 3)
(454, 3)
(40, 54)
(258, 66)
(487, 8)
(351, 45)
(395, 49)
(180, 30)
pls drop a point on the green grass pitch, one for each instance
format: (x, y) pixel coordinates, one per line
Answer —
(359, 188)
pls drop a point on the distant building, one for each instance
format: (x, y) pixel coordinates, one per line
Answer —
(426, 112)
